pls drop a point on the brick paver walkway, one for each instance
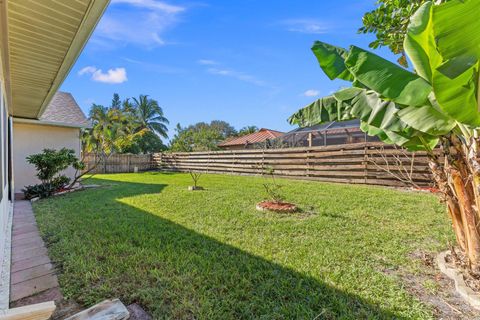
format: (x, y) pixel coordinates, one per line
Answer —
(32, 274)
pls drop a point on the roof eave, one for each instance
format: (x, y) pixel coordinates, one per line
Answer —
(51, 123)
(85, 30)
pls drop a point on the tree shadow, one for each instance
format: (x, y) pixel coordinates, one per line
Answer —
(117, 250)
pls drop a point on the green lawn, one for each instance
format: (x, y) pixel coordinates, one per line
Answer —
(210, 255)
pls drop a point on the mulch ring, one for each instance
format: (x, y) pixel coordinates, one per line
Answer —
(280, 207)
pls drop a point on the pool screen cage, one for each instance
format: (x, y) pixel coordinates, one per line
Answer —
(332, 133)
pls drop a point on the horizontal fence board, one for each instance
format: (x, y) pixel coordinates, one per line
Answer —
(118, 163)
(353, 163)
(365, 163)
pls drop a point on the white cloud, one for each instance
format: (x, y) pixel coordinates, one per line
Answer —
(116, 75)
(306, 26)
(237, 75)
(88, 69)
(207, 62)
(311, 93)
(143, 23)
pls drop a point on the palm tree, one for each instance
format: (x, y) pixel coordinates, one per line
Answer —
(150, 115)
(247, 130)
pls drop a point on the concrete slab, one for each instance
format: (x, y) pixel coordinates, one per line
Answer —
(27, 253)
(29, 263)
(30, 287)
(27, 235)
(31, 273)
(26, 242)
(25, 228)
(33, 278)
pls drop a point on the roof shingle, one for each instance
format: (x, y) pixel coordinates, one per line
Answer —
(63, 109)
(259, 136)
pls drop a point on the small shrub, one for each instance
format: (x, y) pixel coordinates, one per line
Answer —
(49, 164)
(273, 189)
(195, 177)
(45, 190)
(42, 190)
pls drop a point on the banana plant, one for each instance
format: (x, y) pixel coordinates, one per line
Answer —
(435, 108)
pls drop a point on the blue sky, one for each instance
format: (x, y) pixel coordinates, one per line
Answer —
(243, 61)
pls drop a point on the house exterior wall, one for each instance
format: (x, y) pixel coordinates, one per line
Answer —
(33, 138)
(6, 203)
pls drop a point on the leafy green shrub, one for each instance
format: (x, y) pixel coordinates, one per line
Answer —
(45, 190)
(60, 182)
(42, 190)
(49, 164)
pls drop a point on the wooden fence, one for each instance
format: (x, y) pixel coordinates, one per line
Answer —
(119, 163)
(364, 163)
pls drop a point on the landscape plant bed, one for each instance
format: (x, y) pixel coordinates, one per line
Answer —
(211, 255)
(457, 260)
(275, 206)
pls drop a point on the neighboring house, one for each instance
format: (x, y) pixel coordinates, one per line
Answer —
(332, 133)
(247, 141)
(39, 43)
(58, 127)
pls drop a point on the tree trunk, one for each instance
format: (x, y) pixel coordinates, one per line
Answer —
(458, 181)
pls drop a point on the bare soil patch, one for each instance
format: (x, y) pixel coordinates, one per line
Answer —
(456, 259)
(435, 289)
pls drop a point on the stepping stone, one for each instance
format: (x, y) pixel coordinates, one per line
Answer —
(31, 273)
(30, 287)
(29, 263)
(27, 235)
(44, 296)
(27, 241)
(28, 253)
(106, 310)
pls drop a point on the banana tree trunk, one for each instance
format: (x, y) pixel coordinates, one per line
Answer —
(457, 178)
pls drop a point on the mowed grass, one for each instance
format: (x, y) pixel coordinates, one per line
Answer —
(210, 255)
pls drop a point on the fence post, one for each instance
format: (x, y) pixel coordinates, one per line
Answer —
(208, 161)
(263, 162)
(308, 163)
(365, 163)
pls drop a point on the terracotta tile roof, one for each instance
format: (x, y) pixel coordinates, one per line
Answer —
(63, 109)
(259, 136)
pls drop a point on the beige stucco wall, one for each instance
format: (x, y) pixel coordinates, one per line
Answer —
(33, 138)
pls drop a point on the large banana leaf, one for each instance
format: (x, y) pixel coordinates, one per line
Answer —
(323, 110)
(332, 60)
(419, 43)
(443, 44)
(458, 97)
(457, 29)
(367, 70)
(409, 109)
(378, 117)
(386, 78)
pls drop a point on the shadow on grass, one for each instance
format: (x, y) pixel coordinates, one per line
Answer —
(109, 249)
